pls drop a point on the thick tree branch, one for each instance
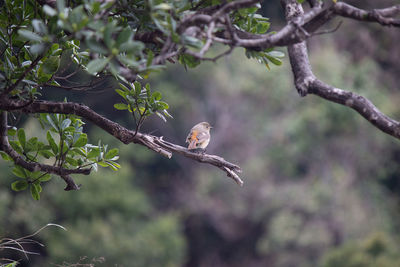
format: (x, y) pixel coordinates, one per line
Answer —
(377, 15)
(359, 103)
(217, 161)
(35, 166)
(298, 28)
(126, 136)
(306, 82)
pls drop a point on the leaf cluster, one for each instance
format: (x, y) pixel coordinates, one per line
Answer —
(66, 146)
(266, 56)
(141, 102)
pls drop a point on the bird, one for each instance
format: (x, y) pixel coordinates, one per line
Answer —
(199, 136)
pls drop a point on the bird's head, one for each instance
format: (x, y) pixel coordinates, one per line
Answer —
(204, 125)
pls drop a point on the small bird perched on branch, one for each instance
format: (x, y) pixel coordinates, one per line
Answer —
(199, 136)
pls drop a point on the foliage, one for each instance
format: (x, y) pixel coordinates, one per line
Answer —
(311, 184)
(101, 38)
(108, 218)
(68, 150)
(141, 102)
(375, 250)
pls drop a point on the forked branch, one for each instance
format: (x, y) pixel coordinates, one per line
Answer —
(35, 166)
(306, 82)
(126, 136)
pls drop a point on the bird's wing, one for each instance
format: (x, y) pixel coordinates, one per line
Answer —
(202, 136)
(192, 135)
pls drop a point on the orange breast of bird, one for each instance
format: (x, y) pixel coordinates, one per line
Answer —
(192, 139)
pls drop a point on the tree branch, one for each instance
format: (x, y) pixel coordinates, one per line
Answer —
(126, 136)
(298, 28)
(15, 84)
(306, 82)
(35, 166)
(377, 15)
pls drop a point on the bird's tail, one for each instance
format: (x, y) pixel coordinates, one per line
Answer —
(192, 144)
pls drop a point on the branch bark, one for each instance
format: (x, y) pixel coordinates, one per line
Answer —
(126, 136)
(35, 166)
(306, 82)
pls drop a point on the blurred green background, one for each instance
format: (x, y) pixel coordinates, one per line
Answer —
(321, 185)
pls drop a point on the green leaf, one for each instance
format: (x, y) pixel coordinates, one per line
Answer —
(275, 61)
(52, 143)
(163, 6)
(124, 88)
(35, 189)
(12, 131)
(46, 153)
(19, 185)
(43, 77)
(96, 46)
(102, 164)
(124, 36)
(138, 88)
(192, 41)
(16, 146)
(95, 152)
(45, 178)
(121, 106)
(262, 27)
(97, 65)
(189, 60)
(132, 47)
(51, 64)
(112, 153)
(95, 7)
(276, 54)
(157, 96)
(113, 165)
(72, 162)
(162, 105)
(49, 11)
(66, 123)
(82, 140)
(39, 26)
(150, 56)
(28, 35)
(19, 171)
(5, 156)
(161, 116)
(121, 93)
(21, 137)
(51, 122)
(110, 27)
(166, 113)
(60, 5)
(32, 144)
(37, 49)
(79, 151)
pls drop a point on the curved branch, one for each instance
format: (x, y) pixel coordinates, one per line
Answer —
(217, 161)
(127, 136)
(35, 166)
(306, 82)
(359, 103)
(298, 28)
(382, 16)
